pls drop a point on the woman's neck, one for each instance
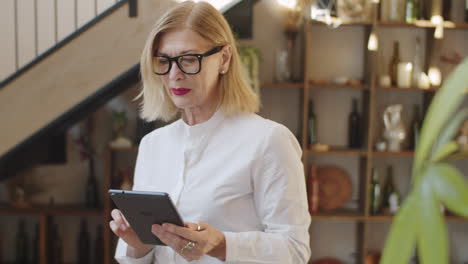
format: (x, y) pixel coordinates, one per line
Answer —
(197, 115)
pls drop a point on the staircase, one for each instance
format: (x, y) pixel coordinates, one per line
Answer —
(73, 78)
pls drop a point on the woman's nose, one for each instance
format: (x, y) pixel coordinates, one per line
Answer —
(175, 73)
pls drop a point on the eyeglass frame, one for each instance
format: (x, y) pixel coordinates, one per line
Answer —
(199, 57)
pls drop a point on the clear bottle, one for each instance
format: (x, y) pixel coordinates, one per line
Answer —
(417, 63)
(410, 11)
(391, 196)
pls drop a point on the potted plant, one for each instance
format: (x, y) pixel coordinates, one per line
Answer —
(436, 182)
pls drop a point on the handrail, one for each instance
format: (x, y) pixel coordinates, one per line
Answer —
(60, 44)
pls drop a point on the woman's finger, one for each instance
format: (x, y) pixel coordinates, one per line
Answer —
(186, 233)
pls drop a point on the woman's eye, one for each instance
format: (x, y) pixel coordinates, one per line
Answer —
(189, 59)
(163, 61)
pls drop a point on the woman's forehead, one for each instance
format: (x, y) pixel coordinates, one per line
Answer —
(182, 41)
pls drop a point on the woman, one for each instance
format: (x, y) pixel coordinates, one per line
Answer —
(235, 177)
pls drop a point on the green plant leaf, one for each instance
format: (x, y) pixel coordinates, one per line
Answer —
(445, 102)
(432, 233)
(450, 188)
(445, 151)
(451, 130)
(402, 237)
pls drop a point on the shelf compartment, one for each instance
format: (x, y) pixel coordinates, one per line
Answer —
(337, 151)
(283, 85)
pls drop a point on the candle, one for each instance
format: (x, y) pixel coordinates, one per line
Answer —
(435, 76)
(424, 82)
(373, 43)
(404, 74)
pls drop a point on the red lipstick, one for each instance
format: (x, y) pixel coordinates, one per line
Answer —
(180, 91)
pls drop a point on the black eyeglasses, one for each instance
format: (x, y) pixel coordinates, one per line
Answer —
(187, 63)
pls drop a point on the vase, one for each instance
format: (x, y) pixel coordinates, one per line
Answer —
(394, 132)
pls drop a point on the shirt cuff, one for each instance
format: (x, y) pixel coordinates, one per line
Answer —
(147, 259)
(232, 248)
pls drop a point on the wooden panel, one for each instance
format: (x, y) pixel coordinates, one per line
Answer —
(46, 24)
(7, 31)
(26, 31)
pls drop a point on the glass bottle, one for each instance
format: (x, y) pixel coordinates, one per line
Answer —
(415, 127)
(91, 187)
(391, 196)
(410, 11)
(417, 63)
(99, 246)
(375, 192)
(57, 246)
(35, 247)
(354, 127)
(83, 243)
(313, 187)
(394, 61)
(21, 244)
(312, 124)
(466, 11)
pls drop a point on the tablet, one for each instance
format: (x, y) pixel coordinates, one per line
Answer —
(143, 209)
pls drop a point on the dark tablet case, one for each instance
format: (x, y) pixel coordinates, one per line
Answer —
(143, 209)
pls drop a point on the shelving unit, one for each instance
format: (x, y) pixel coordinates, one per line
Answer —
(369, 92)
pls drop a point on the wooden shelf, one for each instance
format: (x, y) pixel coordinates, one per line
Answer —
(393, 153)
(338, 151)
(283, 85)
(395, 88)
(328, 85)
(47, 210)
(422, 24)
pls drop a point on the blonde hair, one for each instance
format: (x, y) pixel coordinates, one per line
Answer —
(236, 93)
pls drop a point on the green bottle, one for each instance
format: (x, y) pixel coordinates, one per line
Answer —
(374, 193)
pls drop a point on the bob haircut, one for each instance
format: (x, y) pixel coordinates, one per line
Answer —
(236, 93)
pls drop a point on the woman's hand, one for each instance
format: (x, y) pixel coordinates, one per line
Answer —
(207, 240)
(122, 229)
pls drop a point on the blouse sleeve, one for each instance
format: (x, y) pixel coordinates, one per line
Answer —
(121, 250)
(281, 202)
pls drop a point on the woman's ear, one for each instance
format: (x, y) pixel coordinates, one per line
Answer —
(226, 55)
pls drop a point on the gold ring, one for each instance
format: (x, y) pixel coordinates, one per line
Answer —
(188, 246)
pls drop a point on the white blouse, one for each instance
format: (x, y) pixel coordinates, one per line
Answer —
(241, 174)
